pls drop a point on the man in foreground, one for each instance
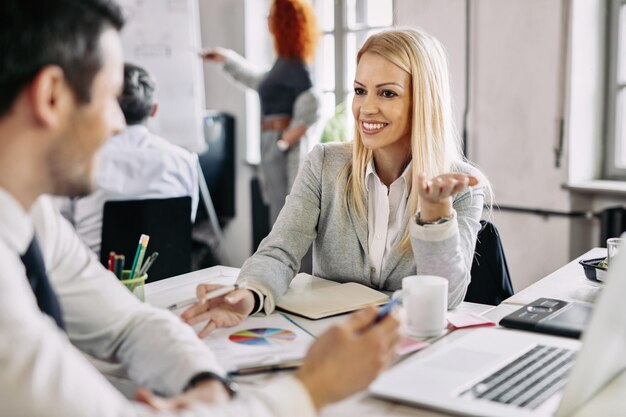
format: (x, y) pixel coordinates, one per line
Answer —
(59, 82)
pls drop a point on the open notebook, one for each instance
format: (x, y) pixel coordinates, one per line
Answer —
(316, 298)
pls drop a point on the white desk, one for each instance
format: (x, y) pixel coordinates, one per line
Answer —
(168, 291)
(567, 283)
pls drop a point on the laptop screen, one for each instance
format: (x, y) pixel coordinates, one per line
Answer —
(601, 357)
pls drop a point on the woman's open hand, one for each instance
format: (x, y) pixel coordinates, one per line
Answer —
(436, 193)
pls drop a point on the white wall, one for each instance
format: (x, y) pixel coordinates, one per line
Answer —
(444, 19)
(222, 23)
(518, 71)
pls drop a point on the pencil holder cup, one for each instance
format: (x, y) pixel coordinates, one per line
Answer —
(135, 285)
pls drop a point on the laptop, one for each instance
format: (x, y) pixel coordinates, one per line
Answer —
(500, 372)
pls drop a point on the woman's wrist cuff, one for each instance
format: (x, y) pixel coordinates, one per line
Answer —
(258, 301)
(440, 220)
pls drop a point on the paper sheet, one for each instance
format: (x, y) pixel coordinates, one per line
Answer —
(182, 287)
(260, 341)
(465, 320)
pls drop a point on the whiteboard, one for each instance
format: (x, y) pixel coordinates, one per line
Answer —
(163, 36)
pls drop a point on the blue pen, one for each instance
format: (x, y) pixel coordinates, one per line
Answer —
(386, 309)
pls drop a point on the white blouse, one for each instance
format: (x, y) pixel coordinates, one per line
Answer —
(386, 207)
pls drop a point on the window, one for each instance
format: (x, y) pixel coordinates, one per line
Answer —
(615, 149)
(345, 24)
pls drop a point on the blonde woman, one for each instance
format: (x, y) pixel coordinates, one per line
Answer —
(400, 200)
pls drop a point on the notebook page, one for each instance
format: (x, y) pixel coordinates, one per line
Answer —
(330, 300)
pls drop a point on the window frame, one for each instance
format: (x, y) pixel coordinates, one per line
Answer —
(340, 33)
(613, 88)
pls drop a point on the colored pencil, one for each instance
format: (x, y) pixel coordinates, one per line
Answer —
(141, 247)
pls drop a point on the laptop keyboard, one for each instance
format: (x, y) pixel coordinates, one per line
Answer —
(527, 381)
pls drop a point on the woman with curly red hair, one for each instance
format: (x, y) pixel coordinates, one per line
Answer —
(289, 106)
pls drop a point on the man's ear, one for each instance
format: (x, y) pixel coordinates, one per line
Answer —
(154, 109)
(50, 96)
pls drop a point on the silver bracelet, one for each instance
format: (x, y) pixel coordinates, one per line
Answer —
(421, 222)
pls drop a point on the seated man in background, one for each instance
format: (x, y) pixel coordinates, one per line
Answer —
(134, 165)
(58, 105)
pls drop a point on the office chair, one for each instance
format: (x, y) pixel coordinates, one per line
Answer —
(216, 177)
(491, 281)
(168, 223)
(612, 223)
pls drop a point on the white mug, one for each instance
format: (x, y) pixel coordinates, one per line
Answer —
(425, 301)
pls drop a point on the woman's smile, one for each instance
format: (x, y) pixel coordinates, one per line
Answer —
(370, 127)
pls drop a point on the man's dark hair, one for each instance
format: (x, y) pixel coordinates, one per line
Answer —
(37, 33)
(138, 97)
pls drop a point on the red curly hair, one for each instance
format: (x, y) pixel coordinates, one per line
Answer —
(294, 26)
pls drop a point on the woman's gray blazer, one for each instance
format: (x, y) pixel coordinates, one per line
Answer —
(314, 213)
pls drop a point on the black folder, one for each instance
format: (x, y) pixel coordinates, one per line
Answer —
(551, 316)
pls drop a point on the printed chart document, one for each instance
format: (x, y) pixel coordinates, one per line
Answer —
(316, 298)
(260, 344)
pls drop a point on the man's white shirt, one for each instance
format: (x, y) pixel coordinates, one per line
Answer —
(43, 370)
(134, 165)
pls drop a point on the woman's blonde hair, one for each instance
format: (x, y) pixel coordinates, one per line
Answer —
(435, 144)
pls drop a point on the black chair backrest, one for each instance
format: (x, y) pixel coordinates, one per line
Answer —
(168, 223)
(491, 281)
(218, 164)
(612, 223)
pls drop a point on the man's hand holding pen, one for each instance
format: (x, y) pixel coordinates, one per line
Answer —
(348, 356)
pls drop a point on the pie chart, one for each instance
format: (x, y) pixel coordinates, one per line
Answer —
(262, 337)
